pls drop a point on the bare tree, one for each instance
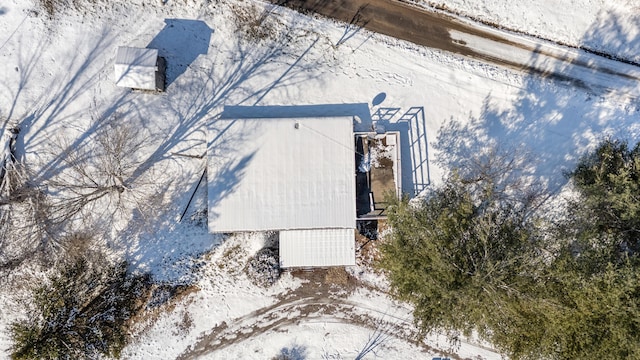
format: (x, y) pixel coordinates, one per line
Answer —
(83, 188)
(96, 179)
(23, 208)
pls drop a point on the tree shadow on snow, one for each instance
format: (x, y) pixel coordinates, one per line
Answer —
(52, 111)
(617, 31)
(556, 116)
(74, 79)
(295, 352)
(192, 108)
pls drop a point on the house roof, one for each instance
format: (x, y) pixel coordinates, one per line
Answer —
(281, 174)
(317, 247)
(136, 68)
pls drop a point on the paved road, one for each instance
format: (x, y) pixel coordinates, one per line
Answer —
(420, 26)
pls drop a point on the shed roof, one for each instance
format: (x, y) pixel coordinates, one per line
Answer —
(136, 67)
(317, 247)
(132, 56)
(281, 174)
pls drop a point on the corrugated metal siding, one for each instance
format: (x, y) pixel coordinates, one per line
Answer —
(317, 248)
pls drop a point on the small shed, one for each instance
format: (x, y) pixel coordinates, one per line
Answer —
(139, 68)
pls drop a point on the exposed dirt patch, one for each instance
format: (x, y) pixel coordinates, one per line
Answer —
(334, 281)
(337, 276)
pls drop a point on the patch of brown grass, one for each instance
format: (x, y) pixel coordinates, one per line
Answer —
(336, 276)
(253, 22)
(52, 7)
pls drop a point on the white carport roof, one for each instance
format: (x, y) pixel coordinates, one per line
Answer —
(317, 248)
(281, 174)
(136, 68)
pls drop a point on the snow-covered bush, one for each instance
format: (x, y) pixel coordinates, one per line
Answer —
(264, 268)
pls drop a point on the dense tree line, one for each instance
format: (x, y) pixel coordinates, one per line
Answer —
(488, 253)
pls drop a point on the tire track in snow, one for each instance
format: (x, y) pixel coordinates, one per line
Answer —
(299, 307)
(294, 313)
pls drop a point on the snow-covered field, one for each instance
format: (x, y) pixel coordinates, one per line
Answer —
(57, 82)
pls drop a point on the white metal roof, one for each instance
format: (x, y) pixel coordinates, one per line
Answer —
(136, 68)
(317, 247)
(280, 174)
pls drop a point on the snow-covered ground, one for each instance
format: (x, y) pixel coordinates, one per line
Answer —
(57, 82)
(599, 25)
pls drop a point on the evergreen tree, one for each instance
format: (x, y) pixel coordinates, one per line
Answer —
(606, 214)
(596, 276)
(477, 254)
(463, 257)
(80, 313)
